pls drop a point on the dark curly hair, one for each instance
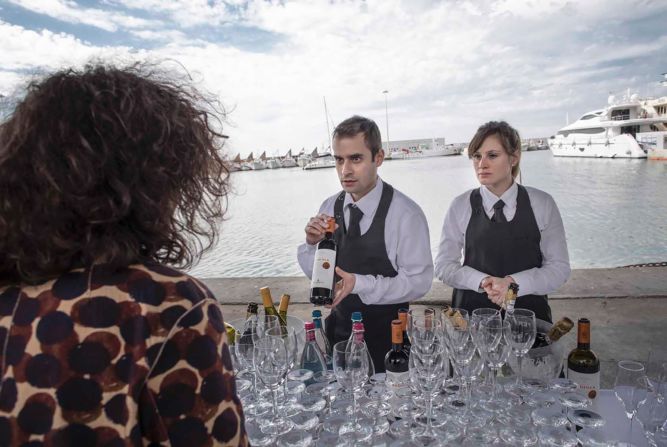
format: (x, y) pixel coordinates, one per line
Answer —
(109, 165)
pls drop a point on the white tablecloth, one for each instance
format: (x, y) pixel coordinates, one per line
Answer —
(617, 425)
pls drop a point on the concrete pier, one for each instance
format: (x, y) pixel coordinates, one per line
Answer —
(627, 307)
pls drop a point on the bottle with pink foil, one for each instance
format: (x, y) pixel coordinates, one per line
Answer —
(356, 341)
(312, 357)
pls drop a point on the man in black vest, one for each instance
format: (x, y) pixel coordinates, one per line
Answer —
(384, 257)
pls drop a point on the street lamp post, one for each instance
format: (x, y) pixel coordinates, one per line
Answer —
(386, 116)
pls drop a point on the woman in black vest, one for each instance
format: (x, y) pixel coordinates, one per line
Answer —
(507, 233)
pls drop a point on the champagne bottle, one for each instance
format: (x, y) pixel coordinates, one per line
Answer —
(231, 334)
(583, 365)
(324, 266)
(321, 338)
(284, 304)
(510, 297)
(396, 361)
(312, 357)
(270, 308)
(403, 317)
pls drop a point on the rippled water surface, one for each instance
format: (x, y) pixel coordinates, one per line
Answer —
(615, 211)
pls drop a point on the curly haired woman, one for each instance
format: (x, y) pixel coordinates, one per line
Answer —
(107, 176)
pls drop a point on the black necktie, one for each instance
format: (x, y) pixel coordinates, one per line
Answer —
(498, 215)
(355, 217)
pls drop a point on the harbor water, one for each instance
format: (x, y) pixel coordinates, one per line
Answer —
(614, 211)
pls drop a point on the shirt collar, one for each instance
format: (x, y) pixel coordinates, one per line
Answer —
(368, 203)
(509, 197)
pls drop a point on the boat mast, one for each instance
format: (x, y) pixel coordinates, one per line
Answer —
(326, 117)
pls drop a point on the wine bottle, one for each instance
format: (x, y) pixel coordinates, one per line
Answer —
(324, 266)
(403, 316)
(510, 297)
(270, 308)
(560, 328)
(284, 304)
(583, 365)
(355, 342)
(312, 357)
(396, 361)
(250, 323)
(321, 338)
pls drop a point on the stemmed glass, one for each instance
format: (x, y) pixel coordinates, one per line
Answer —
(476, 318)
(520, 334)
(351, 370)
(244, 347)
(271, 360)
(495, 349)
(429, 357)
(631, 388)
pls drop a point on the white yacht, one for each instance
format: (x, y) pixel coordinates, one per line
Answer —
(421, 148)
(288, 160)
(629, 127)
(325, 160)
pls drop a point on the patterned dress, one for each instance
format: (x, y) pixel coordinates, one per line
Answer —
(135, 356)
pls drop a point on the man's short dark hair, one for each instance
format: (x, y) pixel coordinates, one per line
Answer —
(355, 125)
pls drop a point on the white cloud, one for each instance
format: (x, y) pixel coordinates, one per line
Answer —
(448, 66)
(69, 11)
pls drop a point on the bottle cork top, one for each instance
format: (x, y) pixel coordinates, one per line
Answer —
(317, 313)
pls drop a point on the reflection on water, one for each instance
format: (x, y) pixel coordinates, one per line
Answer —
(615, 211)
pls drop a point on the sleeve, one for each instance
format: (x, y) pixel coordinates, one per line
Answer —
(448, 262)
(305, 254)
(414, 265)
(190, 393)
(555, 269)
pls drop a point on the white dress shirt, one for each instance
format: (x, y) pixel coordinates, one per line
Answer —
(406, 237)
(555, 268)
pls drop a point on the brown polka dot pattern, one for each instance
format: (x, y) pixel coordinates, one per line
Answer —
(116, 357)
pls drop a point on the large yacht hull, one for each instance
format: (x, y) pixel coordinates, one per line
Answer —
(620, 146)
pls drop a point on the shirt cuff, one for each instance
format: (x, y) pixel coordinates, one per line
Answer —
(362, 285)
(521, 279)
(475, 280)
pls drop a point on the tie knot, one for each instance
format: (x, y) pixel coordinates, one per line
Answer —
(355, 211)
(499, 205)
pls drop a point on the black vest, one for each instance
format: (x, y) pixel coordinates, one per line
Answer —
(500, 249)
(364, 255)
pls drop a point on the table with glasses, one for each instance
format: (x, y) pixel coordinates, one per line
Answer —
(452, 395)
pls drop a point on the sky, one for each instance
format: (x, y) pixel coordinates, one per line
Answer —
(447, 66)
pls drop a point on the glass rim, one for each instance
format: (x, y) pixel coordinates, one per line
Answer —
(631, 365)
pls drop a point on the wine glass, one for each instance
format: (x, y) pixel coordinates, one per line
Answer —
(477, 317)
(495, 349)
(351, 370)
(656, 371)
(244, 348)
(428, 364)
(271, 360)
(521, 334)
(631, 388)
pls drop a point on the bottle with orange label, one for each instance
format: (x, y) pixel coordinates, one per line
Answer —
(324, 266)
(583, 365)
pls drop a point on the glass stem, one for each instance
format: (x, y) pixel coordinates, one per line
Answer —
(429, 413)
(274, 395)
(494, 373)
(632, 418)
(519, 377)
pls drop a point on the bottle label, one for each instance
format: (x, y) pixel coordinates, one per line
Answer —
(323, 268)
(588, 383)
